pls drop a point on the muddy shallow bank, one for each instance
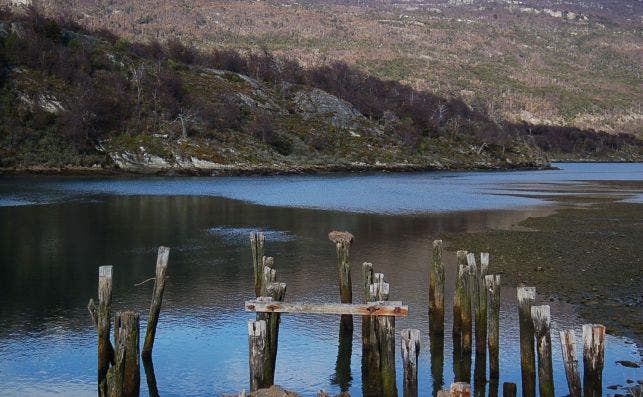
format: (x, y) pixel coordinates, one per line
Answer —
(587, 253)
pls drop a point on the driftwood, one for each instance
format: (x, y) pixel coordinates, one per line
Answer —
(157, 300)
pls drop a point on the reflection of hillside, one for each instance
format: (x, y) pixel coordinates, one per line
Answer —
(50, 254)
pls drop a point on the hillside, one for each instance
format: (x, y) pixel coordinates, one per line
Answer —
(565, 63)
(74, 98)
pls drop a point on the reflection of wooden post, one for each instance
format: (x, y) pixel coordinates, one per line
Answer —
(103, 322)
(150, 377)
(457, 296)
(157, 300)
(508, 389)
(257, 347)
(593, 358)
(126, 374)
(257, 241)
(436, 290)
(343, 241)
(570, 359)
(410, 349)
(541, 317)
(436, 344)
(466, 278)
(492, 283)
(526, 298)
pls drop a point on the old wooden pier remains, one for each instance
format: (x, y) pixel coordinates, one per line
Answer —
(476, 331)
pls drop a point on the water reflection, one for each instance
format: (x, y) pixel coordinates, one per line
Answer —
(50, 256)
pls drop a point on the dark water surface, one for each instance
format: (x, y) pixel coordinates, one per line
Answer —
(55, 232)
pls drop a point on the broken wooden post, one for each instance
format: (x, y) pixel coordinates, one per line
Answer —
(541, 317)
(371, 373)
(460, 389)
(480, 296)
(157, 300)
(509, 389)
(257, 241)
(343, 241)
(436, 290)
(103, 322)
(385, 334)
(492, 282)
(276, 293)
(593, 358)
(410, 349)
(269, 276)
(457, 296)
(125, 376)
(526, 298)
(570, 359)
(258, 351)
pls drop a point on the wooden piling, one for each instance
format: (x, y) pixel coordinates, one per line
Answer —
(480, 296)
(257, 241)
(436, 290)
(457, 296)
(526, 298)
(541, 317)
(570, 359)
(509, 389)
(460, 389)
(103, 322)
(277, 292)
(343, 241)
(125, 379)
(492, 282)
(371, 373)
(385, 334)
(258, 351)
(410, 349)
(593, 359)
(157, 300)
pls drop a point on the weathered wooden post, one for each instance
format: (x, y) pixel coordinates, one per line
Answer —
(466, 279)
(269, 276)
(258, 351)
(460, 389)
(257, 241)
(570, 359)
(343, 241)
(492, 283)
(593, 358)
(436, 290)
(509, 389)
(277, 292)
(541, 317)
(371, 372)
(125, 379)
(410, 349)
(103, 322)
(385, 333)
(457, 296)
(157, 300)
(526, 298)
(480, 296)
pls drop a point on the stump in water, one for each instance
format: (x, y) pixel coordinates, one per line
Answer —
(492, 283)
(125, 379)
(436, 290)
(570, 359)
(526, 298)
(258, 350)
(103, 322)
(385, 334)
(410, 350)
(343, 242)
(275, 292)
(257, 241)
(593, 358)
(157, 300)
(541, 317)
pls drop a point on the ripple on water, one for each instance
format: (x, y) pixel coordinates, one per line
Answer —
(240, 235)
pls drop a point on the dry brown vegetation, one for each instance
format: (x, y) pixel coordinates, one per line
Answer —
(517, 62)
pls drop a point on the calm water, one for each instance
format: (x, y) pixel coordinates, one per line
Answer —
(55, 232)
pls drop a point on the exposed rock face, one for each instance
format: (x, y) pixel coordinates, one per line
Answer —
(339, 113)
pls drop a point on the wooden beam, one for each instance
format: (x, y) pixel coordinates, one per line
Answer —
(395, 309)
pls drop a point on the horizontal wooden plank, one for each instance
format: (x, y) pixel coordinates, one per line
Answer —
(396, 309)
